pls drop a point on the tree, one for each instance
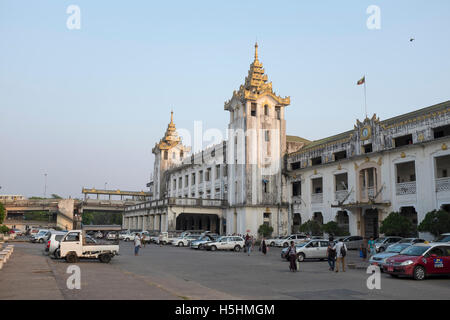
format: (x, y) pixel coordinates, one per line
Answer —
(55, 196)
(4, 229)
(397, 224)
(265, 230)
(311, 227)
(436, 222)
(2, 213)
(333, 228)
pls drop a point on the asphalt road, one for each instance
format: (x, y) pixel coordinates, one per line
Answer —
(181, 273)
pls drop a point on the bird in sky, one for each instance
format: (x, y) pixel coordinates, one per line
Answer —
(411, 40)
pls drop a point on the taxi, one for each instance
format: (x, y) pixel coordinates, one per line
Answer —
(420, 261)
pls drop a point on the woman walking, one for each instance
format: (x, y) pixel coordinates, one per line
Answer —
(372, 249)
(263, 246)
(292, 254)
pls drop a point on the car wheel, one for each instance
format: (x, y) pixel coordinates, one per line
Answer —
(126, 239)
(105, 258)
(41, 240)
(237, 248)
(419, 273)
(285, 245)
(301, 257)
(213, 248)
(180, 244)
(201, 247)
(381, 249)
(272, 244)
(71, 257)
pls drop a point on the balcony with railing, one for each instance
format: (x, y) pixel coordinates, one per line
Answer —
(317, 198)
(340, 195)
(406, 188)
(443, 184)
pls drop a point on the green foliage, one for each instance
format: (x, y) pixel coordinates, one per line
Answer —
(55, 196)
(36, 198)
(2, 213)
(39, 216)
(397, 224)
(333, 228)
(101, 218)
(265, 230)
(311, 227)
(436, 222)
(4, 229)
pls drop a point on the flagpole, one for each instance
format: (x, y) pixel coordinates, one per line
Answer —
(365, 95)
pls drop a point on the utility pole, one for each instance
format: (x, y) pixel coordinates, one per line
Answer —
(45, 185)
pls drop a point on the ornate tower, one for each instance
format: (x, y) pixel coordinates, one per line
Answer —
(256, 149)
(168, 152)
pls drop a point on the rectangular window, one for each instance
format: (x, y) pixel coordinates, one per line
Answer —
(266, 110)
(193, 179)
(316, 161)
(403, 141)
(340, 155)
(297, 189)
(166, 155)
(367, 148)
(186, 180)
(267, 135)
(225, 171)
(278, 111)
(208, 174)
(253, 111)
(200, 176)
(295, 165)
(218, 172)
(441, 132)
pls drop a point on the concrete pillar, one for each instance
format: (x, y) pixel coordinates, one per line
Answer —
(220, 225)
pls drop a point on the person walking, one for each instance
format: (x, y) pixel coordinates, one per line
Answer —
(341, 252)
(263, 246)
(371, 244)
(137, 244)
(248, 244)
(331, 254)
(292, 254)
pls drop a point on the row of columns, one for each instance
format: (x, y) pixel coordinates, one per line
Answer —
(146, 222)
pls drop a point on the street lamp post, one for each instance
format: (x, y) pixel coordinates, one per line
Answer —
(45, 185)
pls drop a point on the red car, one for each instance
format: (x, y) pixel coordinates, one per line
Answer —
(420, 260)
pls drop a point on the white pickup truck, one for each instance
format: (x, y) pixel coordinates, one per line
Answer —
(76, 245)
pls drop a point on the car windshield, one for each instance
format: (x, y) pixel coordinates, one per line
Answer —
(407, 240)
(414, 250)
(443, 238)
(380, 240)
(397, 248)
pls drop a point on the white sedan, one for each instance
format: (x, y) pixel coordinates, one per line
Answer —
(226, 243)
(184, 241)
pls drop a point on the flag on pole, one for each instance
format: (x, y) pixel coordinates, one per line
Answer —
(362, 81)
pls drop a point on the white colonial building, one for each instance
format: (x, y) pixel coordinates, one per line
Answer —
(358, 177)
(259, 175)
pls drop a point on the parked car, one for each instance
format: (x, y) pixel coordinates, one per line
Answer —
(271, 242)
(200, 242)
(411, 241)
(99, 235)
(53, 242)
(312, 249)
(18, 232)
(445, 237)
(353, 242)
(286, 241)
(129, 236)
(379, 259)
(41, 236)
(226, 243)
(185, 241)
(76, 244)
(381, 244)
(420, 261)
(112, 235)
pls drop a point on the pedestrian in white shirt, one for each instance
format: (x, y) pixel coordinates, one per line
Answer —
(137, 244)
(341, 252)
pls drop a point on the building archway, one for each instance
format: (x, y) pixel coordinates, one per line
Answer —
(318, 217)
(200, 222)
(296, 222)
(342, 220)
(411, 214)
(371, 223)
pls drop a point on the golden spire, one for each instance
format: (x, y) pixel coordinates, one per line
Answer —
(256, 51)
(171, 116)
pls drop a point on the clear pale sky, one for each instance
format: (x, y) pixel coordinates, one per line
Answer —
(86, 106)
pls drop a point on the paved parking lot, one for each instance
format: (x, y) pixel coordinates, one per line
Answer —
(181, 273)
